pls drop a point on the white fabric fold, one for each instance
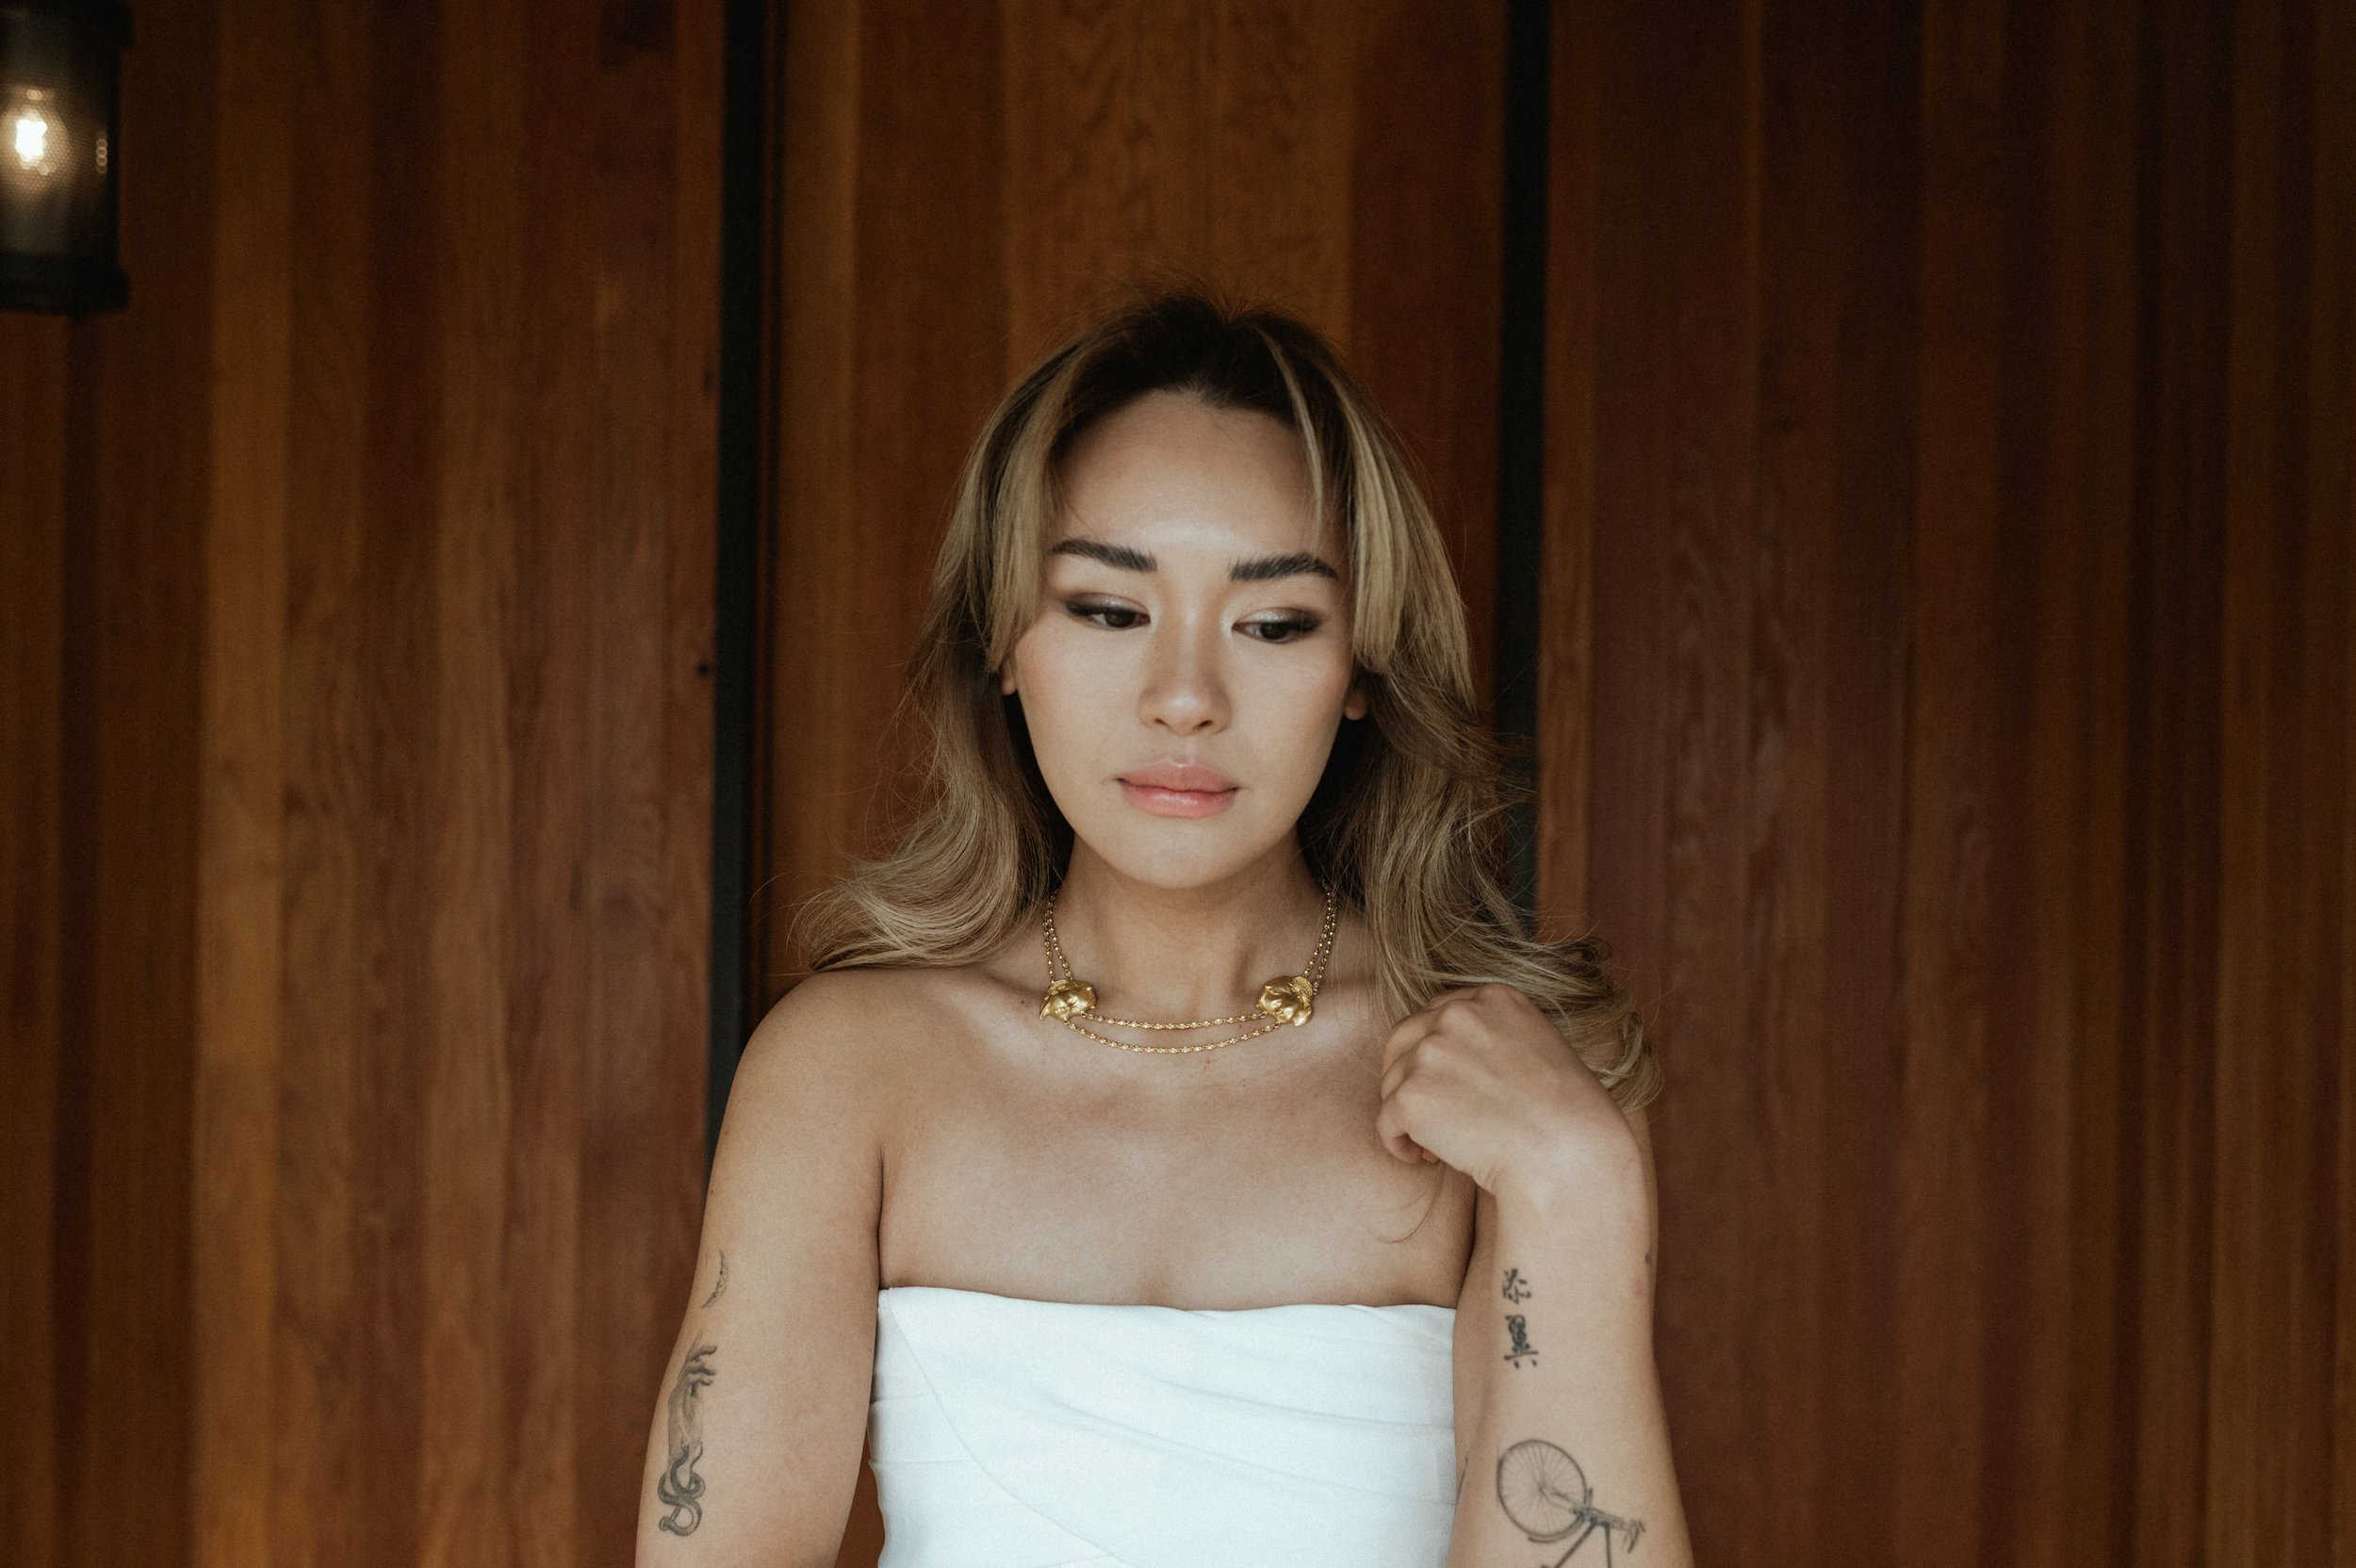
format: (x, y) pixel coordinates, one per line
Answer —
(1014, 1434)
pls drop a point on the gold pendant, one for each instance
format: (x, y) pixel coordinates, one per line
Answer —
(1288, 999)
(1068, 999)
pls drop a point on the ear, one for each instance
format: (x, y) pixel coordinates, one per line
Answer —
(1357, 703)
(1005, 678)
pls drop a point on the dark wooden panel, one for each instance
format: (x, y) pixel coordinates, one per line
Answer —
(2281, 1317)
(361, 676)
(1652, 404)
(35, 367)
(134, 528)
(1945, 705)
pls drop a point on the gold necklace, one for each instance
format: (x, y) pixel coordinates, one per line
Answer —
(1287, 999)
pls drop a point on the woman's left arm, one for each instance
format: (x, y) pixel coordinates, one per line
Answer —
(1563, 1441)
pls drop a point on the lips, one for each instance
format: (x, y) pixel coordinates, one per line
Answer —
(1193, 777)
(1174, 789)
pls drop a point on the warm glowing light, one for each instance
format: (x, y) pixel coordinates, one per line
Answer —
(35, 135)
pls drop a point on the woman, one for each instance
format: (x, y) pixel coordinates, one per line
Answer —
(1182, 1156)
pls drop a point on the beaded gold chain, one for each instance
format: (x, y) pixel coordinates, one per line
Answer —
(1287, 999)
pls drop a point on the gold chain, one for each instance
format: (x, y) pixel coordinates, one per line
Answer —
(1288, 999)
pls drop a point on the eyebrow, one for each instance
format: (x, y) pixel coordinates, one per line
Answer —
(1256, 568)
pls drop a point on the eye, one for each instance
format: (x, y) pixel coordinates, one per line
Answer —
(1112, 617)
(1282, 629)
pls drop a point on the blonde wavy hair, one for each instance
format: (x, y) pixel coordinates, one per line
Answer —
(1409, 821)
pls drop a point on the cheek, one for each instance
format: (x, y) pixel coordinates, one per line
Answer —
(1294, 710)
(1064, 690)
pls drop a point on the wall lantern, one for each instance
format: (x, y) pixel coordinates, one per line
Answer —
(60, 83)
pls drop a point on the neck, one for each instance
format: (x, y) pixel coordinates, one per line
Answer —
(1181, 953)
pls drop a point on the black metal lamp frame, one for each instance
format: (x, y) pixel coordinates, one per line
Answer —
(61, 95)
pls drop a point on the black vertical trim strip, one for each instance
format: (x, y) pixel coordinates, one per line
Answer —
(1521, 422)
(745, 140)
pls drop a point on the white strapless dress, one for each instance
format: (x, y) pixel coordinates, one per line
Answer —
(1014, 1434)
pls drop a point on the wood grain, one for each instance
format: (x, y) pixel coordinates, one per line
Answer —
(1945, 701)
(359, 663)
(35, 356)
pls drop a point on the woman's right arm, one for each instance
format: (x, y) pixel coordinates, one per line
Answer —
(758, 1426)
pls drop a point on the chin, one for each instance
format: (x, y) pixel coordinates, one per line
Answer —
(1158, 868)
(1189, 857)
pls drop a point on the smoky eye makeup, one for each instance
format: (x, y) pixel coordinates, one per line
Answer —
(1104, 612)
(1113, 616)
(1283, 629)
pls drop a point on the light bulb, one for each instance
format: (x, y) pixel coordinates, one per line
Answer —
(33, 135)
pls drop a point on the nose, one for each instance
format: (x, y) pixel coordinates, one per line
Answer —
(1185, 692)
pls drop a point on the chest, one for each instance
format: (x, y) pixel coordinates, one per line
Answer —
(1191, 1182)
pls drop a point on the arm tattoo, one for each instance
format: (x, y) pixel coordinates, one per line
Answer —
(1540, 1487)
(678, 1488)
(1546, 1494)
(1517, 1291)
(1521, 1350)
(721, 1283)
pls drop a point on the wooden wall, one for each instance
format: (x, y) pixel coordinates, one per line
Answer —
(356, 604)
(1946, 678)
(1947, 712)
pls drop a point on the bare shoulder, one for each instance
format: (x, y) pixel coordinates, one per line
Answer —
(839, 1034)
(808, 1107)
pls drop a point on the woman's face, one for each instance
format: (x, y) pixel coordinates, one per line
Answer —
(1190, 661)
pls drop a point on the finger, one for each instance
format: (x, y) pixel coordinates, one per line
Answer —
(1414, 1026)
(1397, 1074)
(1389, 1125)
(1406, 1032)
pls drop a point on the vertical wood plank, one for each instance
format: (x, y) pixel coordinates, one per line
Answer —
(1836, 474)
(1567, 700)
(2331, 517)
(238, 935)
(1426, 266)
(136, 516)
(1675, 323)
(33, 553)
(2269, 1438)
(484, 130)
(1958, 842)
(316, 1452)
